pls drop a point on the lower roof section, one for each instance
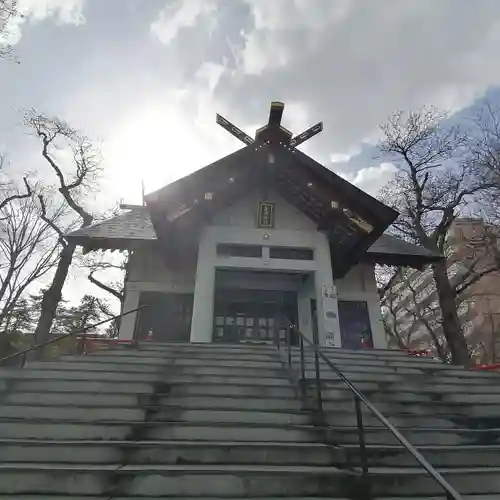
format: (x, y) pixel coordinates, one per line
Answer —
(133, 229)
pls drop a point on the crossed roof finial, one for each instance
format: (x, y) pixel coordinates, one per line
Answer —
(273, 131)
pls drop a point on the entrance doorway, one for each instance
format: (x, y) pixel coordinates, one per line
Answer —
(253, 315)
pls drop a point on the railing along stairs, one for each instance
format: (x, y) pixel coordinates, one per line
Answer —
(83, 340)
(360, 401)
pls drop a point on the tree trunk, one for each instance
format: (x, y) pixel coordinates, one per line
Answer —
(452, 329)
(52, 296)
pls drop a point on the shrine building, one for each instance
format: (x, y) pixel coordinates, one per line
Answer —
(261, 236)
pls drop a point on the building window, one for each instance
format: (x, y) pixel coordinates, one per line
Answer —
(291, 253)
(231, 250)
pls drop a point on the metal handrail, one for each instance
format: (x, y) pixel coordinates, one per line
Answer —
(24, 352)
(452, 494)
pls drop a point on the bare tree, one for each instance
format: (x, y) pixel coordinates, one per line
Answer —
(59, 141)
(8, 11)
(413, 312)
(435, 180)
(8, 190)
(115, 287)
(108, 273)
(28, 249)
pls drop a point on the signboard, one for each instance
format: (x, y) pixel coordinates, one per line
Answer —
(330, 340)
(329, 299)
(265, 216)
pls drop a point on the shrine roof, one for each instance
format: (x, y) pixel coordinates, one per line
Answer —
(133, 229)
(352, 220)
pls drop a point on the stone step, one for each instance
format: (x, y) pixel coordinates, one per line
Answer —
(443, 371)
(240, 370)
(115, 430)
(169, 452)
(438, 456)
(421, 379)
(123, 376)
(64, 430)
(184, 388)
(93, 386)
(68, 413)
(364, 355)
(93, 400)
(417, 436)
(233, 361)
(227, 431)
(349, 360)
(155, 480)
(71, 399)
(79, 497)
(338, 418)
(410, 396)
(198, 355)
(156, 414)
(223, 409)
(344, 393)
(423, 408)
(234, 480)
(207, 415)
(401, 481)
(207, 347)
(407, 386)
(9, 374)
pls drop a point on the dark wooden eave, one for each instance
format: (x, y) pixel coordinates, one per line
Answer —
(352, 219)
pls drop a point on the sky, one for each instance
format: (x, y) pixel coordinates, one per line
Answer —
(145, 78)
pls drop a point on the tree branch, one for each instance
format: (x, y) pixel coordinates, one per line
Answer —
(17, 196)
(105, 287)
(50, 222)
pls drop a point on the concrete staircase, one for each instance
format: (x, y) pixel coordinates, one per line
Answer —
(225, 421)
(450, 414)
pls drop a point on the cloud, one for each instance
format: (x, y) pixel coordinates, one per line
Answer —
(352, 63)
(272, 22)
(63, 11)
(180, 14)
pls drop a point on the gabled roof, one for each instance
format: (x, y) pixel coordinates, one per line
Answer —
(133, 229)
(391, 250)
(351, 218)
(124, 231)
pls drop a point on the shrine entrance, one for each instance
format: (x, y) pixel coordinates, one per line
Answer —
(253, 315)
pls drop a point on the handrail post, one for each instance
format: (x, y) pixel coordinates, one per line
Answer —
(303, 385)
(319, 397)
(288, 345)
(361, 435)
(363, 457)
(80, 347)
(135, 335)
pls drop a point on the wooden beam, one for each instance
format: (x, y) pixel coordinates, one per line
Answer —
(234, 131)
(306, 135)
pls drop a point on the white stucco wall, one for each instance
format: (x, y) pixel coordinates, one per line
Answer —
(237, 225)
(148, 270)
(244, 213)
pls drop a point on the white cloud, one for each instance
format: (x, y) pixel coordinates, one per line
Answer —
(179, 14)
(371, 179)
(352, 63)
(265, 45)
(63, 11)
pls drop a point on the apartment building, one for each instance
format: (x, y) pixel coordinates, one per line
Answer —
(410, 307)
